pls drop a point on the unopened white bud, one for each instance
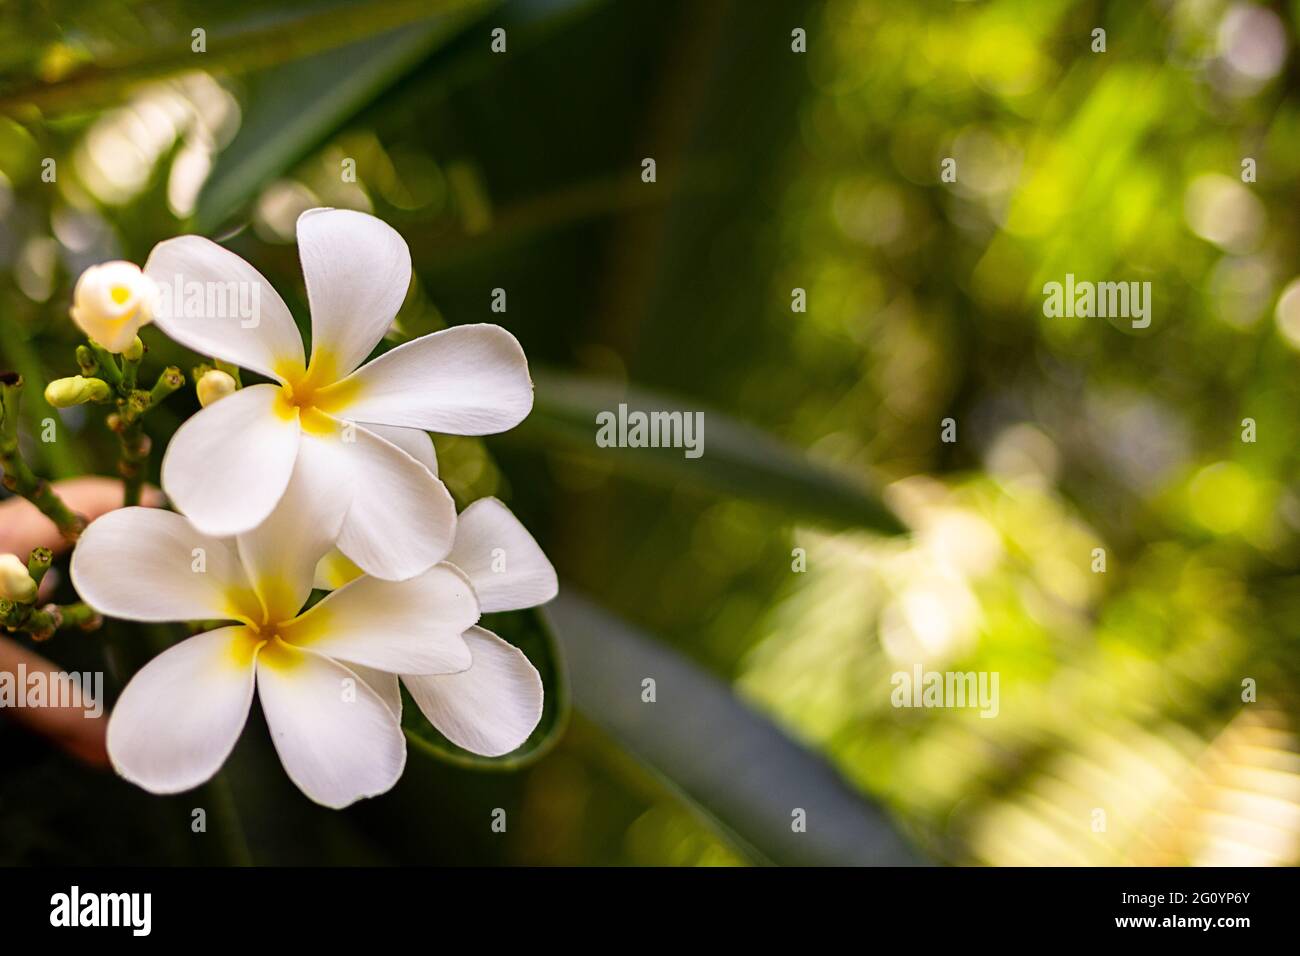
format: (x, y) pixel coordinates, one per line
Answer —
(214, 385)
(15, 583)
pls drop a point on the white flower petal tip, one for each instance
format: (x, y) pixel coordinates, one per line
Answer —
(212, 301)
(145, 564)
(337, 738)
(490, 709)
(181, 715)
(358, 270)
(466, 380)
(508, 569)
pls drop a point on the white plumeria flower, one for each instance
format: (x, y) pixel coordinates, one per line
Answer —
(491, 708)
(228, 466)
(324, 676)
(111, 302)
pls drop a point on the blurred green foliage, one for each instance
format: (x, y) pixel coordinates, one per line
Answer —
(1120, 691)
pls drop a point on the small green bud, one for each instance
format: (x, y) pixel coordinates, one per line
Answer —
(77, 390)
(135, 351)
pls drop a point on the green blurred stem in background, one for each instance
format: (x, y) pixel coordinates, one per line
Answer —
(18, 477)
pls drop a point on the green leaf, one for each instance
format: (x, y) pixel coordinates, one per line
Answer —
(306, 102)
(737, 460)
(230, 49)
(730, 763)
(531, 633)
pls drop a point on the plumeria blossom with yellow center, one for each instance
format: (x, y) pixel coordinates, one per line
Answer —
(491, 708)
(111, 302)
(365, 425)
(324, 676)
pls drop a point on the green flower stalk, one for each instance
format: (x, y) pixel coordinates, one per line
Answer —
(18, 477)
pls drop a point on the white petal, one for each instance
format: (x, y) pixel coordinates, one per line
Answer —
(180, 716)
(336, 737)
(414, 441)
(384, 684)
(144, 564)
(243, 320)
(227, 467)
(467, 380)
(501, 559)
(489, 709)
(281, 553)
(405, 627)
(358, 270)
(402, 519)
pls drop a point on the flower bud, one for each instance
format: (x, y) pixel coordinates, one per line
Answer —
(135, 351)
(214, 384)
(77, 390)
(15, 583)
(112, 301)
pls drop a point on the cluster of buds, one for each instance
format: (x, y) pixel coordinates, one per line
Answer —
(19, 586)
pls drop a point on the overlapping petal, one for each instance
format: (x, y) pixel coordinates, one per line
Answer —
(386, 685)
(489, 709)
(280, 554)
(406, 627)
(180, 716)
(508, 569)
(265, 339)
(414, 441)
(402, 519)
(227, 467)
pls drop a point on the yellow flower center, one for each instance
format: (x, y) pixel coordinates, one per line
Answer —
(314, 394)
(270, 628)
(119, 293)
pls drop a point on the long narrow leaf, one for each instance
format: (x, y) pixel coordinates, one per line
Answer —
(736, 767)
(737, 459)
(313, 98)
(239, 50)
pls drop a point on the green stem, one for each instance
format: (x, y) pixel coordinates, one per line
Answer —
(41, 624)
(169, 381)
(18, 477)
(108, 367)
(128, 423)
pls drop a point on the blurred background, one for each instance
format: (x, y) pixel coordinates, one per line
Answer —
(828, 538)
